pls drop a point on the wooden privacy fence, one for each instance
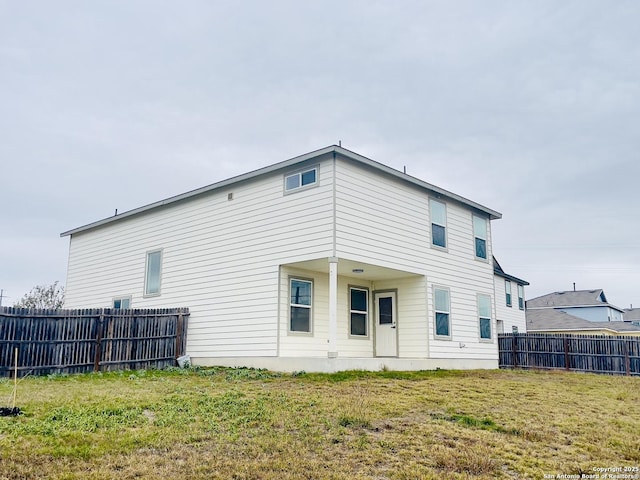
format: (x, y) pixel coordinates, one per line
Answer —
(584, 353)
(74, 341)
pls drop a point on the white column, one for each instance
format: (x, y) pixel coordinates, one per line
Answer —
(333, 307)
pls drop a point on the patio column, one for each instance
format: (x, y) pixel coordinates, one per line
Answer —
(333, 307)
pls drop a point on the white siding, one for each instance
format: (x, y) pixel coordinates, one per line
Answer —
(220, 259)
(510, 316)
(384, 221)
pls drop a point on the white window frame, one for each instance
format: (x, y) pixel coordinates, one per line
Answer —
(484, 317)
(299, 305)
(507, 293)
(521, 297)
(478, 235)
(299, 175)
(121, 299)
(147, 273)
(436, 311)
(359, 312)
(432, 202)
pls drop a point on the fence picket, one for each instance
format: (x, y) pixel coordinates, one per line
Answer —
(584, 353)
(84, 340)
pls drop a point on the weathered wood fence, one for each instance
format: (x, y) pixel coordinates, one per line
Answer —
(584, 353)
(74, 341)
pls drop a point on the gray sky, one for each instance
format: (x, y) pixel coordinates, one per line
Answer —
(528, 107)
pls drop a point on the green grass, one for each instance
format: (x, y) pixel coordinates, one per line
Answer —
(254, 424)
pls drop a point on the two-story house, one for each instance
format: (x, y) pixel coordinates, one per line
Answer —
(324, 262)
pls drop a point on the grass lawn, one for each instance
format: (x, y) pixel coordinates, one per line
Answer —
(240, 423)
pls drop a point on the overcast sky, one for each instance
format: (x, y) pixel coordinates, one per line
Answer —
(528, 107)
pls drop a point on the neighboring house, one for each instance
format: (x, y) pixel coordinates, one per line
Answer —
(557, 321)
(589, 305)
(510, 301)
(631, 315)
(324, 262)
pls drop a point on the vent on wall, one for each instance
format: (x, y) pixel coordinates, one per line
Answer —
(230, 196)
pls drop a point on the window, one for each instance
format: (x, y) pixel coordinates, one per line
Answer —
(359, 311)
(520, 297)
(152, 274)
(514, 329)
(301, 293)
(480, 234)
(122, 302)
(438, 212)
(484, 316)
(507, 292)
(441, 303)
(301, 179)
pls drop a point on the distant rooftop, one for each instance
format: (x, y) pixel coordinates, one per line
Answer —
(572, 298)
(550, 320)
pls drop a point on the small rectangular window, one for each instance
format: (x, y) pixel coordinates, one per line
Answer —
(300, 303)
(514, 329)
(359, 311)
(507, 292)
(484, 316)
(153, 273)
(122, 302)
(438, 211)
(301, 179)
(480, 236)
(442, 312)
(520, 297)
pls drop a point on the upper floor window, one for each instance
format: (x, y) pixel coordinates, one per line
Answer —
(442, 312)
(520, 297)
(359, 311)
(301, 179)
(484, 316)
(507, 292)
(153, 273)
(438, 212)
(301, 296)
(480, 235)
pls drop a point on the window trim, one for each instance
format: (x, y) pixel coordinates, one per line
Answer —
(521, 297)
(290, 305)
(367, 313)
(120, 298)
(432, 223)
(481, 317)
(485, 239)
(508, 293)
(146, 273)
(436, 311)
(299, 174)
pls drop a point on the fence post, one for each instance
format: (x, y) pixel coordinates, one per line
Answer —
(515, 350)
(179, 333)
(566, 353)
(627, 361)
(96, 362)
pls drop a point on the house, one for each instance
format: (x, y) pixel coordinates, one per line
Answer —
(324, 262)
(510, 302)
(631, 315)
(558, 321)
(589, 305)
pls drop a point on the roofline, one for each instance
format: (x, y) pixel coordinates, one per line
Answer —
(511, 277)
(493, 215)
(580, 329)
(575, 306)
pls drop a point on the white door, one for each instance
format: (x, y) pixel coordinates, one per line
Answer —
(386, 328)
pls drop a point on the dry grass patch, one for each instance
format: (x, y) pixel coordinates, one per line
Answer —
(250, 424)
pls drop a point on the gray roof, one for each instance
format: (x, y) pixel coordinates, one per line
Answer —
(287, 164)
(497, 269)
(550, 320)
(631, 314)
(574, 298)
